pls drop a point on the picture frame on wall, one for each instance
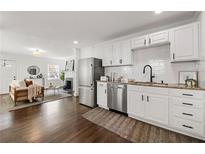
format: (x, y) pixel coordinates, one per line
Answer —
(184, 75)
(69, 66)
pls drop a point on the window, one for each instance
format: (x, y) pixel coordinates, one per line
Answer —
(53, 71)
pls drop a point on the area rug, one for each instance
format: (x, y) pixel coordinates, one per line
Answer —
(7, 104)
(134, 130)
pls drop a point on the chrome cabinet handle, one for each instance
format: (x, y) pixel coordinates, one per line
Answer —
(149, 40)
(144, 41)
(120, 61)
(173, 56)
(188, 114)
(187, 104)
(188, 126)
(188, 94)
(147, 98)
(105, 91)
(142, 97)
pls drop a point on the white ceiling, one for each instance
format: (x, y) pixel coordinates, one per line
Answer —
(54, 32)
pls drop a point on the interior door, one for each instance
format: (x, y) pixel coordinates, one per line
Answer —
(7, 74)
(86, 72)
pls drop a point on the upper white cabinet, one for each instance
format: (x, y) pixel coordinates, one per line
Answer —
(139, 42)
(107, 54)
(117, 53)
(150, 40)
(158, 38)
(184, 43)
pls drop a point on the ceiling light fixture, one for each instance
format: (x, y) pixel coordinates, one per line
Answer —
(37, 53)
(75, 42)
(157, 12)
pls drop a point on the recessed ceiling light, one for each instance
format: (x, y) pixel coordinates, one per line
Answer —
(157, 12)
(75, 42)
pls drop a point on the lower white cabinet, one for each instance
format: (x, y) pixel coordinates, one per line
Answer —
(186, 111)
(179, 110)
(156, 108)
(135, 103)
(150, 106)
(102, 94)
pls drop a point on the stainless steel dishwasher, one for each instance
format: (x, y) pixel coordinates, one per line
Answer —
(117, 97)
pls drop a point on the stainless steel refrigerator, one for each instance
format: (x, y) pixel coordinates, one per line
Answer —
(90, 70)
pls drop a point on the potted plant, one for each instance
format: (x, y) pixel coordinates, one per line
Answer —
(62, 75)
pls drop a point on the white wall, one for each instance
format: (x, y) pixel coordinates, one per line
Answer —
(24, 61)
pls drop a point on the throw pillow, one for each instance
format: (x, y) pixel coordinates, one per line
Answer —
(29, 82)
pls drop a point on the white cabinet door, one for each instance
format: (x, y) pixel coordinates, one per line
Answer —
(156, 108)
(184, 43)
(158, 38)
(102, 94)
(107, 54)
(126, 53)
(135, 103)
(116, 53)
(139, 42)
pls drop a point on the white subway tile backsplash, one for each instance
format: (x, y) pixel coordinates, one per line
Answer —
(159, 59)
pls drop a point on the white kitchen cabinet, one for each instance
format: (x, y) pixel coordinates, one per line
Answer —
(150, 40)
(186, 111)
(184, 43)
(147, 103)
(139, 42)
(126, 53)
(107, 54)
(158, 38)
(135, 105)
(117, 53)
(102, 94)
(156, 108)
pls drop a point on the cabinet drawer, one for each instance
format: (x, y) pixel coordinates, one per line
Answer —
(195, 94)
(185, 102)
(157, 90)
(187, 126)
(187, 113)
(102, 84)
(135, 88)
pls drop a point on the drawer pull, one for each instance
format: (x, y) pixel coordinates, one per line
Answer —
(188, 114)
(187, 94)
(187, 104)
(188, 126)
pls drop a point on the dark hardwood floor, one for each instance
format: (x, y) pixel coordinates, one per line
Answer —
(58, 121)
(62, 121)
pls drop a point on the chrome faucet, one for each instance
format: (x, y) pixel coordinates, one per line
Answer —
(151, 76)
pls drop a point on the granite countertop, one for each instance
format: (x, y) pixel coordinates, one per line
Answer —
(169, 85)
